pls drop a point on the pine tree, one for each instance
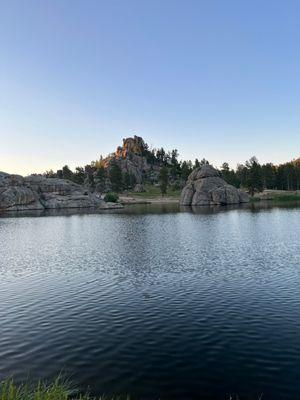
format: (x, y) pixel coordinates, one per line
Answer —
(163, 180)
(115, 176)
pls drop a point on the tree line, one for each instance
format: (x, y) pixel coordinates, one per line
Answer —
(256, 177)
(251, 175)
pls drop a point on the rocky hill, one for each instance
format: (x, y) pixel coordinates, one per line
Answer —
(135, 161)
(131, 158)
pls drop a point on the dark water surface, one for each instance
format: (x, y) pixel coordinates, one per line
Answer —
(155, 302)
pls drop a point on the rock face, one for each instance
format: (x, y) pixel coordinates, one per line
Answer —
(205, 187)
(130, 158)
(35, 192)
(135, 145)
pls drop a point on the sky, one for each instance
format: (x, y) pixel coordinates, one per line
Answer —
(214, 79)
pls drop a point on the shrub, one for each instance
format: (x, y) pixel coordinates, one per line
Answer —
(111, 197)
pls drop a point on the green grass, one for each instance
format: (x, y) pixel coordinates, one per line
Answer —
(153, 192)
(277, 197)
(287, 197)
(59, 389)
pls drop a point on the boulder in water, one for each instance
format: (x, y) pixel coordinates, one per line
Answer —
(205, 187)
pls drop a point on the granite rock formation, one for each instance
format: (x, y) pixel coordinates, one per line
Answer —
(131, 158)
(36, 192)
(205, 187)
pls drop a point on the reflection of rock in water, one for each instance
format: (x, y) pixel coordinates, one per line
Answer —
(247, 207)
(213, 209)
(205, 187)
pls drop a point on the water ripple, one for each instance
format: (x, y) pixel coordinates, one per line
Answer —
(164, 305)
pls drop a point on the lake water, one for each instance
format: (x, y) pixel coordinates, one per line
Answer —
(155, 301)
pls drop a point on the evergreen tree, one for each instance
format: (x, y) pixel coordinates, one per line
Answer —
(229, 175)
(269, 176)
(79, 175)
(163, 180)
(59, 174)
(174, 157)
(203, 162)
(115, 176)
(67, 173)
(50, 174)
(197, 164)
(185, 170)
(161, 156)
(100, 179)
(129, 180)
(254, 176)
(174, 165)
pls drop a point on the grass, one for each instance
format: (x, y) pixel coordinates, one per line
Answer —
(59, 389)
(153, 192)
(278, 197)
(287, 197)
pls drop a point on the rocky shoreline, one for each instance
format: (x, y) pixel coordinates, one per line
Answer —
(36, 192)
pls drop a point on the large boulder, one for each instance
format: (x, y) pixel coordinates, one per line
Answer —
(16, 195)
(205, 187)
(187, 194)
(37, 192)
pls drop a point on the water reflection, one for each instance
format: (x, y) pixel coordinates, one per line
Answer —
(142, 209)
(154, 300)
(252, 207)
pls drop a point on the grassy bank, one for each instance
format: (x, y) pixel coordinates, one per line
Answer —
(277, 195)
(153, 192)
(56, 390)
(153, 195)
(289, 197)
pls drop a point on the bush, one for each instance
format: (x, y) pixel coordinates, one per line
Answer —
(111, 197)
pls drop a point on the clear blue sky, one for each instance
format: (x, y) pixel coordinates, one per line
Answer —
(214, 79)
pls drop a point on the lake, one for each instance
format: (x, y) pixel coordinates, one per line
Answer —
(155, 301)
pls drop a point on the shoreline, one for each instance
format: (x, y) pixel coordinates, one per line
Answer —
(132, 200)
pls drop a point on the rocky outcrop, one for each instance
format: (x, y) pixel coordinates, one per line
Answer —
(135, 145)
(36, 192)
(206, 187)
(130, 158)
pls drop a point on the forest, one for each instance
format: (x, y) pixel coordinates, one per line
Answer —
(251, 175)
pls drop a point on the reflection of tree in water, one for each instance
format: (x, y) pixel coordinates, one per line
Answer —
(250, 207)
